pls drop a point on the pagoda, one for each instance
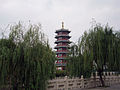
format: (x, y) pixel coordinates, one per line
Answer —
(62, 47)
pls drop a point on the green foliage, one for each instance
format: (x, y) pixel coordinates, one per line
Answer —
(98, 49)
(26, 60)
(60, 73)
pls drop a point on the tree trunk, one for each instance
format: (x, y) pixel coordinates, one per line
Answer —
(101, 79)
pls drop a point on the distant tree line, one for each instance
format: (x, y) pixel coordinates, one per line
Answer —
(97, 50)
(26, 59)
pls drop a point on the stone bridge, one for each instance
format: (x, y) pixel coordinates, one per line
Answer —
(66, 83)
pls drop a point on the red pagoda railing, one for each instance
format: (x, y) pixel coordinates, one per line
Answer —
(62, 39)
(62, 51)
(62, 45)
(61, 56)
(62, 34)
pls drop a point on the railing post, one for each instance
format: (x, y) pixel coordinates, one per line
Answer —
(113, 73)
(107, 73)
(57, 83)
(92, 75)
(92, 80)
(108, 79)
(111, 76)
(110, 73)
(82, 81)
(66, 84)
(119, 78)
(96, 73)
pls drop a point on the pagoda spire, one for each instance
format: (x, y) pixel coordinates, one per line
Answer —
(62, 25)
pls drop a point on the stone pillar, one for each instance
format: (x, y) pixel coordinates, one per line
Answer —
(108, 79)
(113, 73)
(119, 78)
(110, 73)
(57, 84)
(92, 80)
(66, 84)
(75, 82)
(103, 73)
(92, 75)
(113, 78)
(82, 81)
(96, 73)
(107, 73)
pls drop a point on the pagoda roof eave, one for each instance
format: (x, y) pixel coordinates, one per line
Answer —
(57, 36)
(62, 30)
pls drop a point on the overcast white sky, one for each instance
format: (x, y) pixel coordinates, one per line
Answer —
(77, 14)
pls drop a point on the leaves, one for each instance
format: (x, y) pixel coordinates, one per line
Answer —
(101, 46)
(26, 60)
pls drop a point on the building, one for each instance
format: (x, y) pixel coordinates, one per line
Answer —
(62, 47)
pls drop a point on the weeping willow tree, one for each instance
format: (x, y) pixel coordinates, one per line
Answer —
(75, 62)
(78, 63)
(98, 49)
(26, 59)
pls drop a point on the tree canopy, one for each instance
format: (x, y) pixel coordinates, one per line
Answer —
(26, 59)
(97, 50)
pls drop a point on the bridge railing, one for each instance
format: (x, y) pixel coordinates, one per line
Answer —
(66, 83)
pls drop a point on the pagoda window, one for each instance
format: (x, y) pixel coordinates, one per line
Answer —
(59, 55)
(64, 55)
(64, 48)
(60, 49)
(60, 33)
(64, 43)
(60, 37)
(65, 38)
(59, 61)
(65, 33)
(59, 43)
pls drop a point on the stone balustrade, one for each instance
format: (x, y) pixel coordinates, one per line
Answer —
(66, 83)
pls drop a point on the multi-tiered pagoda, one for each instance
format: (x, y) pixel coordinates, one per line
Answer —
(62, 47)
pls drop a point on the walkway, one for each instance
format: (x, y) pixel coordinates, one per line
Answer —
(113, 87)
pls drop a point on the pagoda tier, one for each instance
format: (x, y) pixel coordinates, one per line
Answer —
(62, 40)
(62, 47)
(64, 35)
(61, 64)
(61, 58)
